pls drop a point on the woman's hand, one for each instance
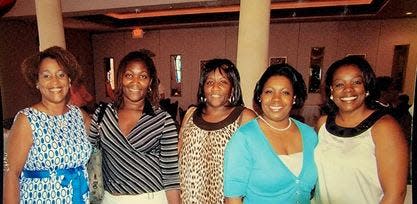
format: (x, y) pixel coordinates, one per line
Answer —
(173, 196)
(233, 200)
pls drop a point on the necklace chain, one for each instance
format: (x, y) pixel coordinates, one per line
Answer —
(277, 129)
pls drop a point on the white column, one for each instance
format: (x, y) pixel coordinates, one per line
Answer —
(50, 24)
(253, 44)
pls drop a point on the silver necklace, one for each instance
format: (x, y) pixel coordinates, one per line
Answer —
(277, 129)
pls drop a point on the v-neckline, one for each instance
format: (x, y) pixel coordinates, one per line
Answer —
(128, 135)
(275, 154)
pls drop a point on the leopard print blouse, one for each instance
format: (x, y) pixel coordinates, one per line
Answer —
(201, 159)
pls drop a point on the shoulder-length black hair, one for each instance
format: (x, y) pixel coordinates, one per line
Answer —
(286, 70)
(227, 69)
(368, 77)
(143, 57)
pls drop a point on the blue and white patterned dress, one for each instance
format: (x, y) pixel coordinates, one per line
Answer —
(55, 171)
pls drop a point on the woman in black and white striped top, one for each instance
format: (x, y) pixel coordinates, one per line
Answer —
(138, 140)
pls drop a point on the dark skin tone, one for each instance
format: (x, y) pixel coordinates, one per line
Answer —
(217, 90)
(391, 151)
(136, 81)
(53, 84)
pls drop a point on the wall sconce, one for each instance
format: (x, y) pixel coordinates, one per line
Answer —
(137, 33)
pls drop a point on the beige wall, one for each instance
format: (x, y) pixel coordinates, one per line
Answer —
(375, 38)
(193, 44)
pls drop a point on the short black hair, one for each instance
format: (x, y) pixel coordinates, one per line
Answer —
(368, 75)
(227, 69)
(286, 70)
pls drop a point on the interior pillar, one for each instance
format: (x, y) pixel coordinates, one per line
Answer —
(50, 24)
(253, 44)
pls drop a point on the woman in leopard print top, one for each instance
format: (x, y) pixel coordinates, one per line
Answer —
(206, 129)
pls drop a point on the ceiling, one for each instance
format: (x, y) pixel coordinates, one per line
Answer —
(196, 13)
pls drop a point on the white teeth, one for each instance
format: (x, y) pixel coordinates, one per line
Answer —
(349, 98)
(274, 108)
(55, 89)
(215, 96)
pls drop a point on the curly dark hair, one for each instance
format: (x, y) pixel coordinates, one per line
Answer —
(368, 77)
(66, 60)
(227, 69)
(143, 57)
(286, 70)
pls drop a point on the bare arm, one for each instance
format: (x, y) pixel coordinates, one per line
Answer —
(18, 146)
(173, 196)
(392, 159)
(320, 122)
(234, 200)
(246, 115)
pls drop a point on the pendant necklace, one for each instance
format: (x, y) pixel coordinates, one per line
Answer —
(277, 129)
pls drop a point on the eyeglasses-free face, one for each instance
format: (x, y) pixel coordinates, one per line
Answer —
(136, 82)
(348, 89)
(277, 98)
(53, 81)
(217, 89)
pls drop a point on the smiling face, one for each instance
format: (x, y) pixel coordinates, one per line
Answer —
(135, 82)
(277, 98)
(53, 81)
(217, 89)
(348, 89)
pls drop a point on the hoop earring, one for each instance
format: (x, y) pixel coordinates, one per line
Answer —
(367, 94)
(331, 97)
(149, 90)
(231, 99)
(203, 99)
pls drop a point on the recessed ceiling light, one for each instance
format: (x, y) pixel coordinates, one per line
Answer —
(408, 13)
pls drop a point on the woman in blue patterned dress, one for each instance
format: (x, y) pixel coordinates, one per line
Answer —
(48, 147)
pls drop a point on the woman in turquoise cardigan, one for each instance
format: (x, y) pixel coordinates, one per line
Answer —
(270, 159)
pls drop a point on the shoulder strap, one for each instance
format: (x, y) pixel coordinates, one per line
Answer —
(101, 111)
(100, 114)
(188, 114)
(186, 118)
(184, 121)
